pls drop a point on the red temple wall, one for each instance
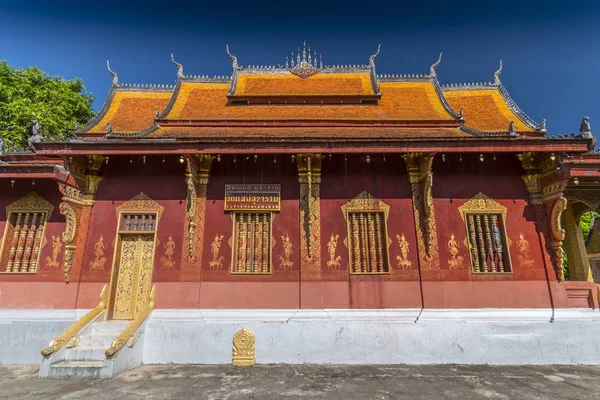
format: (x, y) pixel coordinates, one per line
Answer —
(205, 287)
(221, 289)
(164, 183)
(455, 183)
(45, 288)
(341, 182)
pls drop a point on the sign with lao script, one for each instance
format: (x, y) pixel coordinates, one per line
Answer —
(252, 197)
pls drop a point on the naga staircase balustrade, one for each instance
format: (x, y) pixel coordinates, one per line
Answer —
(71, 332)
(129, 332)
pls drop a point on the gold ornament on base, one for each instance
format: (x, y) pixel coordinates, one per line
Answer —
(243, 348)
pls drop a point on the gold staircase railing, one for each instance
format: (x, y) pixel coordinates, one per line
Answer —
(128, 333)
(58, 342)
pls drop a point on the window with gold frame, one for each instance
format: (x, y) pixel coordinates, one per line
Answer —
(24, 235)
(485, 223)
(251, 248)
(367, 240)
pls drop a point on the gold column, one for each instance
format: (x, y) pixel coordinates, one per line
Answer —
(77, 212)
(309, 177)
(420, 176)
(546, 187)
(197, 175)
(579, 264)
(77, 201)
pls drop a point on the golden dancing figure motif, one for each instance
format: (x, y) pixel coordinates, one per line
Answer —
(100, 260)
(456, 262)
(523, 245)
(286, 263)
(52, 263)
(334, 262)
(217, 262)
(167, 261)
(403, 261)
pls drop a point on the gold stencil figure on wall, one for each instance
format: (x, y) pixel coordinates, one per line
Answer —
(53, 263)
(456, 262)
(403, 261)
(99, 260)
(334, 261)
(167, 261)
(525, 260)
(243, 348)
(286, 263)
(215, 247)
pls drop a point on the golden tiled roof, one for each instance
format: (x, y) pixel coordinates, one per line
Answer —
(300, 133)
(400, 101)
(327, 84)
(131, 111)
(485, 109)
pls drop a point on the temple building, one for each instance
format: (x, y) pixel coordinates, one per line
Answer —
(301, 213)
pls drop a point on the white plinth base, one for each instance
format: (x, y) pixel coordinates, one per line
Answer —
(407, 336)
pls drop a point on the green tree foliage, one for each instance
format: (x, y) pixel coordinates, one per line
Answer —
(58, 104)
(585, 224)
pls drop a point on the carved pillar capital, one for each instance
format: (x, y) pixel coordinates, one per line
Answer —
(418, 166)
(532, 183)
(85, 171)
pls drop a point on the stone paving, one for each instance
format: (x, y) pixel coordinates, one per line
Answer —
(314, 382)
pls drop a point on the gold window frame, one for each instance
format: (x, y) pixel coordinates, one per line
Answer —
(482, 204)
(30, 203)
(366, 203)
(232, 270)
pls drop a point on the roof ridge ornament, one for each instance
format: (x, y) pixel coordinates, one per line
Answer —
(373, 57)
(115, 81)
(234, 60)
(585, 129)
(305, 66)
(497, 75)
(542, 127)
(179, 67)
(432, 72)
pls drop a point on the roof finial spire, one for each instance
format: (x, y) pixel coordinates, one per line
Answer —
(497, 74)
(114, 75)
(304, 51)
(320, 61)
(373, 57)
(179, 67)
(232, 58)
(434, 66)
(287, 63)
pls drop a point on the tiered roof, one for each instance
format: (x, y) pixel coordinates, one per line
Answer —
(309, 100)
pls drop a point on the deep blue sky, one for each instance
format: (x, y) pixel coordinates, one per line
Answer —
(551, 49)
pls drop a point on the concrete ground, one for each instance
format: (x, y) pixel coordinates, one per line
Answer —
(314, 382)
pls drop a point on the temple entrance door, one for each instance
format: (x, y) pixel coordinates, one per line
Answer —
(131, 279)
